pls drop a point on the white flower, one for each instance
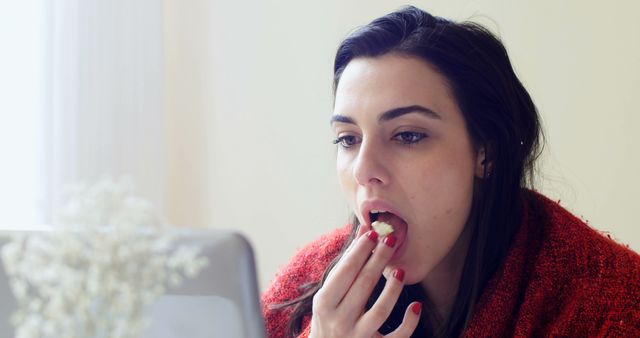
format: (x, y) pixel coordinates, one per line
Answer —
(97, 276)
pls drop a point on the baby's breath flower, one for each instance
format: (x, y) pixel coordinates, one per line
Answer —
(98, 274)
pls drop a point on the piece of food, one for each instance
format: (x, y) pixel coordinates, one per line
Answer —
(382, 228)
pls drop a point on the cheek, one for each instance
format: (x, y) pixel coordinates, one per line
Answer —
(343, 169)
(346, 179)
(445, 191)
(455, 194)
(441, 202)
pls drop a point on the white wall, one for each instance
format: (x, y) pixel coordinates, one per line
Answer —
(249, 98)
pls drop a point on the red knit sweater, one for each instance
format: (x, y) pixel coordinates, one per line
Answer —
(561, 278)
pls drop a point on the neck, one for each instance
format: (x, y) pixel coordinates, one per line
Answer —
(441, 285)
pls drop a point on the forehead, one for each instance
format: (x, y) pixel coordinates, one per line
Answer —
(389, 81)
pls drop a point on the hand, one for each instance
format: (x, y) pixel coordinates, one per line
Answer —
(338, 307)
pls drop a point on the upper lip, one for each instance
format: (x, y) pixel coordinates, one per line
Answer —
(377, 204)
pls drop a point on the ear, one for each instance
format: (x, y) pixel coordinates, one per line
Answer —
(481, 163)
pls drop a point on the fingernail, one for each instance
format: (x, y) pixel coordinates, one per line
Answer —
(416, 308)
(398, 274)
(390, 241)
(373, 236)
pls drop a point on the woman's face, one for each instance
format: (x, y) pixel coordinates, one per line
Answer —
(403, 147)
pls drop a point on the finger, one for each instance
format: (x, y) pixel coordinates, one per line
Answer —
(344, 273)
(357, 296)
(362, 229)
(409, 322)
(380, 311)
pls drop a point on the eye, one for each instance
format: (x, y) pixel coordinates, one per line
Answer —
(409, 137)
(347, 141)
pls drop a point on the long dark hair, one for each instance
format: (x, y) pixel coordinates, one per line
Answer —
(501, 118)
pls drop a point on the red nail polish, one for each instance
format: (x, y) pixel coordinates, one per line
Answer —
(398, 274)
(373, 236)
(416, 308)
(389, 240)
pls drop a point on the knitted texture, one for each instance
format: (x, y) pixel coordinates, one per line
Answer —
(561, 278)
(307, 266)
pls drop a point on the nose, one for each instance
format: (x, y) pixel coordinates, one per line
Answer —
(370, 167)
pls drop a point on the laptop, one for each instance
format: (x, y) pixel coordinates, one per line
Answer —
(221, 302)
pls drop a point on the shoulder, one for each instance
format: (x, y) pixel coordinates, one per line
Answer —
(599, 277)
(306, 266)
(575, 245)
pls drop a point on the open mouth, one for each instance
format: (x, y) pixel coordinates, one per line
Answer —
(400, 229)
(390, 218)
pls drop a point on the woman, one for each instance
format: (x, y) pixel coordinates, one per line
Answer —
(437, 137)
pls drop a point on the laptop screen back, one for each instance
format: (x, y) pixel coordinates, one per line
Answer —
(222, 301)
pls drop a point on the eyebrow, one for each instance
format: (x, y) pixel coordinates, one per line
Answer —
(391, 114)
